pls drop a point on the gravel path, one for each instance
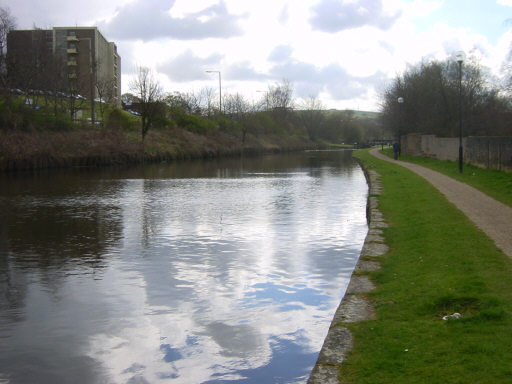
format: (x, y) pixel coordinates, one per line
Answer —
(491, 216)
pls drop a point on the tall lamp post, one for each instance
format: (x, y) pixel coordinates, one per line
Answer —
(266, 97)
(400, 101)
(460, 57)
(220, 89)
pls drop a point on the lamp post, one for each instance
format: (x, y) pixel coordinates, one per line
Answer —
(266, 97)
(220, 89)
(460, 57)
(400, 101)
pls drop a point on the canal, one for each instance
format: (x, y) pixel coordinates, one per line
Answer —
(221, 271)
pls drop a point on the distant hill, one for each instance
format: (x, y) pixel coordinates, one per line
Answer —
(366, 114)
(359, 114)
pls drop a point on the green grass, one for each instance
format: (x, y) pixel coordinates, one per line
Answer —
(336, 146)
(439, 263)
(497, 184)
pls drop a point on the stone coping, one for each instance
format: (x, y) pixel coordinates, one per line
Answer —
(354, 306)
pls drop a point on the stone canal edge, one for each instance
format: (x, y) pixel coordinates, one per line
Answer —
(354, 306)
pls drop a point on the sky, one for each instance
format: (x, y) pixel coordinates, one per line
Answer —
(344, 52)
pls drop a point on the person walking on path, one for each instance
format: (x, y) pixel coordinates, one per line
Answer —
(491, 216)
(396, 150)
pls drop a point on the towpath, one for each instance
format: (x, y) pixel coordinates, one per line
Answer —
(491, 216)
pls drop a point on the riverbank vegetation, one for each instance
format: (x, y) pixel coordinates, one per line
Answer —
(438, 264)
(37, 131)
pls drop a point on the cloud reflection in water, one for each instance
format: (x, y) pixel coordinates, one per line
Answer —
(250, 269)
(202, 280)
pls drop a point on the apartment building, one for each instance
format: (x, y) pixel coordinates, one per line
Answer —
(77, 60)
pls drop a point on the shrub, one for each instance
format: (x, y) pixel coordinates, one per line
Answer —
(228, 125)
(118, 119)
(164, 122)
(18, 116)
(192, 123)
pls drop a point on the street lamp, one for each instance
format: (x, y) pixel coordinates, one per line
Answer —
(460, 57)
(266, 97)
(220, 89)
(400, 101)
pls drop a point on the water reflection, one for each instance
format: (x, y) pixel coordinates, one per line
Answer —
(204, 272)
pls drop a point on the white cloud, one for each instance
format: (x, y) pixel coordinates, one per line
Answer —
(153, 20)
(281, 53)
(183, 8)
(188, 67)
(243, 71)
(50, 13)
(421, 9)
(284, 15)
(342, 49)
(334, 15)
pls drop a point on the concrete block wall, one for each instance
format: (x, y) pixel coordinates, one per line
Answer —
(485, 152)
(442, 148)
(411, 144)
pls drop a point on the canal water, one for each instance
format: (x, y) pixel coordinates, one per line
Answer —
(222, 271)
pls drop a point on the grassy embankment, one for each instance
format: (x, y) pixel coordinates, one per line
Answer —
(496, 184)
(38, 140)
(438, 263)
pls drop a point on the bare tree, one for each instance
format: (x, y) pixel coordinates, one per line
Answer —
(430, 94)
(208, 97)
(194, 101)
(349, 127)
(197, 103)
(238, 109)
(311, 115)
(263, 103)
(175, 101)
(148, 92)
(104, 88)
(280, 99)
(7, 23)
(189, 102)
(236, 106)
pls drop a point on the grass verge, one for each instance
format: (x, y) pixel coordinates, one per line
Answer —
(439, 263)
(497, 184)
